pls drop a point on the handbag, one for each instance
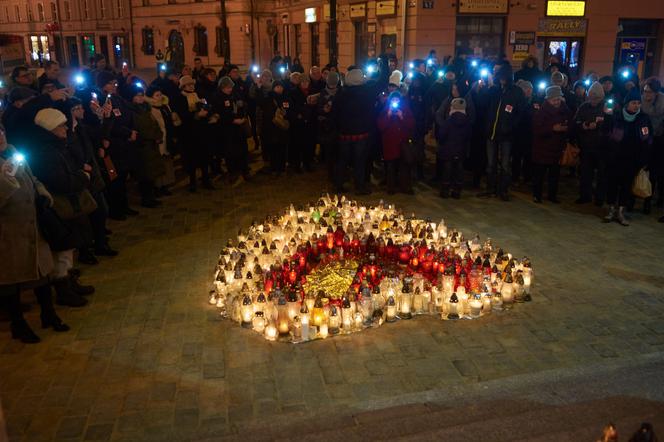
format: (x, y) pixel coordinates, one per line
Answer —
(570, 156)
(642, 188)
(279, 118)
(74, 205)
(57, 234)
(110, 168)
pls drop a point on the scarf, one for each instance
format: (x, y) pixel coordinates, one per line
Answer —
(192, 100)
(331, 92)
(630, 117)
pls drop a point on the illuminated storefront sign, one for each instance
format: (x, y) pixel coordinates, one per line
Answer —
(566, 8)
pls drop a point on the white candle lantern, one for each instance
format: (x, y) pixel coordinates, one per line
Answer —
(476, 306)
(391, 309)
(247, 311)
(334, 321)
(322, 331)
(297, 328)
(258, 322)
(271, 331)
(453, 307)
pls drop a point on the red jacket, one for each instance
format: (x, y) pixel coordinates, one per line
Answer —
(548, 145)
(395, 132)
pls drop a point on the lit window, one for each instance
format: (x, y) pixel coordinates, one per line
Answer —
(148, 41)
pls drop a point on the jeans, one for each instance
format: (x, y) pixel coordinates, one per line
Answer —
(498, 166)
(553, 174)
(592, 162)
(357, 153)
(452, 176)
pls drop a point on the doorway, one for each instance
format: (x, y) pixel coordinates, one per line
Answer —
(314, 31)
(568, 51)
(120, 50)
(361, 42)
(637, 44)
(103, 46)
(72, 52)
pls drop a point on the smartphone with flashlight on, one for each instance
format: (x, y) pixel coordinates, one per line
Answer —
(17, 160)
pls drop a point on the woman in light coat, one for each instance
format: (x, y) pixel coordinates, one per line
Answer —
(27, 259)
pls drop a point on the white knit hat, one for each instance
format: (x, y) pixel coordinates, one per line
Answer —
(50, 118)
(185, 80)
(395, 77)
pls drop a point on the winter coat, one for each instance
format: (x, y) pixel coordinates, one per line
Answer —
(435, 96)
(395, 131)
(453, 135)
(164, 116)
(548, 145)
(117, 129)
(354, 109)
(81, 148)
(590, 140)
(655, 111)
(226, 106)
(19, 123)
(328, 132)
(28, 257)
(206, 89)
(443, 111)
(268, 105)
(505, 109)
(629, 142)
(417, 102)
(149, 166)
(53, 163)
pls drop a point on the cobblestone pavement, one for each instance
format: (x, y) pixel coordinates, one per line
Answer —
(149, 359)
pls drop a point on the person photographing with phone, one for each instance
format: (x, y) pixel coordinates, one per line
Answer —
(396, 125)
(550, 133)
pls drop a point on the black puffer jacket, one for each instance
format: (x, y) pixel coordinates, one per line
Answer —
(629, 142)
(506, 107)
(117, 129)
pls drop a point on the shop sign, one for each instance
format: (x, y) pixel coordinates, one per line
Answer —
(562, 27)
(521, 48)
(483, 6)
(566, 8)
(358, 10)
(520, 56)
(310, 15)
(522, 38)
(386, 8)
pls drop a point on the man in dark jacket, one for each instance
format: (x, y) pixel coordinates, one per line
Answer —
(529, 71)
(506, 106)
(118, 137)
(591, 138)
(328, 133)
(51, 73)
(454, 132)
(417, 101)
(354, 114)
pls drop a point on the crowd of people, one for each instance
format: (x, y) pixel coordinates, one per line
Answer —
(69, 148)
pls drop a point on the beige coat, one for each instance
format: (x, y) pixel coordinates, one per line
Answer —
(24, 255)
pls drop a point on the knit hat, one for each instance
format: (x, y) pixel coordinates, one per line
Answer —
(295, 78)
(596, 91)
(524, 85)
(578, 83)
(553, 92)
(557, 78)
(50, 118)
(632, 95)
(133, 90)
(654, 84)
(395, 78)
(186, 80)
(332, 80)
(105, 77)
(277, 83)
(225, 82)
(266, 74)
(151, 90)
(355, 77)
(20, 93)
(458, 105)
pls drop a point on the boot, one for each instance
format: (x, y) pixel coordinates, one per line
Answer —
(48, 316)
(65, 295)
(620, 217)
(611, 216)
(22, 331)
(86, 257)
(76, 286)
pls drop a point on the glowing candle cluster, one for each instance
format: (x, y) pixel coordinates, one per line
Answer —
(337, 267)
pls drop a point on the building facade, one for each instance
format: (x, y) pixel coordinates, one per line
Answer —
(590, 35)
(183, 29)
(69, 31)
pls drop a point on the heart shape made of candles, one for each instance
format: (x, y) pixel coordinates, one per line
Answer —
(337, 267)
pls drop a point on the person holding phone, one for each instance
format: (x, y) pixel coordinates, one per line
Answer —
(550, 133)
(396, 125)
(32, 260)
(589, 130)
